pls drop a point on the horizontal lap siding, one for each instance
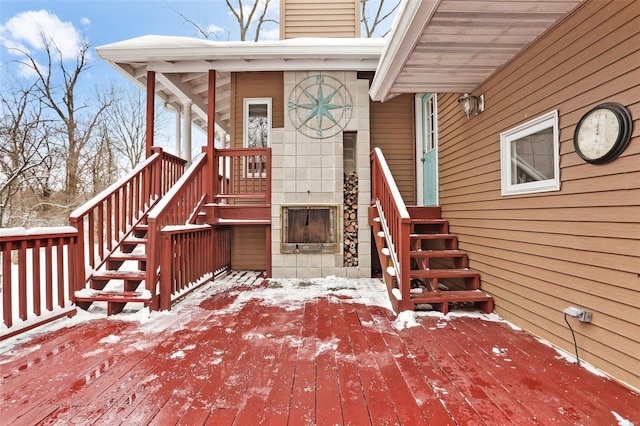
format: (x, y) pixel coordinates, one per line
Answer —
(312, 18)
(248, 248)
(392, 130)
(259, 84)
(579, 246)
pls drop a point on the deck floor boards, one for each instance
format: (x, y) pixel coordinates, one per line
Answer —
(233, 358)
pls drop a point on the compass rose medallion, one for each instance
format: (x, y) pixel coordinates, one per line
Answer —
(320, 106)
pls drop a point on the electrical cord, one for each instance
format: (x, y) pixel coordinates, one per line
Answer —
(575, 344)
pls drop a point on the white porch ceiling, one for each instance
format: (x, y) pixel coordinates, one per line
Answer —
(451, 46)
(182, 65)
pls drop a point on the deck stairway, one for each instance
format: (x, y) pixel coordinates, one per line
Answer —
(121, 279)
(423, 266)
(440, 273)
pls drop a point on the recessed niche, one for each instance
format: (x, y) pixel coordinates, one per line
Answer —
(309, 229)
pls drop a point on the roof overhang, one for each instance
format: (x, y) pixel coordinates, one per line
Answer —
(182, 64)
(452, 46)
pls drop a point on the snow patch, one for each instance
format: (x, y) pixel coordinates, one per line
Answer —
(405, 319)
(110, 339)
(621, 420)
(327, 346)
(177, 355)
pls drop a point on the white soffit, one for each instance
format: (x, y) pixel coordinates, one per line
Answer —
(451, 46)
(182, 64)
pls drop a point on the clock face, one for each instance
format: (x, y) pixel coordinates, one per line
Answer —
(598, 133)
(320, 106)
(603, 133)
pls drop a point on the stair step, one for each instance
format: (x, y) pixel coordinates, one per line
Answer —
(113, 296)
(119, 275)
(443, 273)
(437, 253)
(441, 299)
(116, 300)
(123, 257)
(433, 237)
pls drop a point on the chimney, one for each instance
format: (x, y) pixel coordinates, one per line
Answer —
(313, 18)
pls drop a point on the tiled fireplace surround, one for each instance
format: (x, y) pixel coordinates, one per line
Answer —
(308, 172)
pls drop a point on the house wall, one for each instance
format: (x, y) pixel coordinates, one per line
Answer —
(392, 130)
(309, 171)
(248, 250)
(263, 84)
(580, 246)
(312, 18)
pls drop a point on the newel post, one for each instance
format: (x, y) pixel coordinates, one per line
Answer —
(151, 92)
(79, 261)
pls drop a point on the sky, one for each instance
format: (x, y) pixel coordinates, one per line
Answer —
(103, 22)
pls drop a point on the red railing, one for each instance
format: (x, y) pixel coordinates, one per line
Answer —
(395, 222)
(187, 253)
(105, 220)
(243, 173)
(179, 208)
(36, 270)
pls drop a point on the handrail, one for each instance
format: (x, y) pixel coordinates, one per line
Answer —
(395, 221)
(242, 173)
(108, 218)
(39, 288)
(178, 207)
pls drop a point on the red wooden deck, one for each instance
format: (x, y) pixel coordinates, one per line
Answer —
(229, 354)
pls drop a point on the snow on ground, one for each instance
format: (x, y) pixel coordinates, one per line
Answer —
(290, 294)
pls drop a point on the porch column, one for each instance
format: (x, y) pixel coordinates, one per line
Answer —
(187, 132)
(178, 131)
(211, 171)
(151, 93)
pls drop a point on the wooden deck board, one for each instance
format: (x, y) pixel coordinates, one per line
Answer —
(229, 358)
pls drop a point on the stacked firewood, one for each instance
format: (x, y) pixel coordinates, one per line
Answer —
(350, 219)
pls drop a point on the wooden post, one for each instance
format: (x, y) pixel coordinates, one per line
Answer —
(210, 172)
(151, 93)
(166, 274)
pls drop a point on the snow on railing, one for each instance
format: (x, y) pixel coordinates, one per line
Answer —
(105, 220)
(36, 271)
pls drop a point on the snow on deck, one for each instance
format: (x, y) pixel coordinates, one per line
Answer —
(244, 350)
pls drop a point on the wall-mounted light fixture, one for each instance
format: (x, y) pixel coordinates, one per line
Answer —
(471, 105)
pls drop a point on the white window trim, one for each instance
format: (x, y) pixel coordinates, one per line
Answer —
(245, 118)
(545, 121)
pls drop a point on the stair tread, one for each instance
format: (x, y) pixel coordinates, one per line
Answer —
(437, 253)
(128, 256)
(119, 275)
(137, 240)
(113, 296)
(432, 236)
(428, 220)
(443, 273)
(450, 296)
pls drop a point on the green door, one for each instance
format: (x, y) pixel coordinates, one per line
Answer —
(429, 150)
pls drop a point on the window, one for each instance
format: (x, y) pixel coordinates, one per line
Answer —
(530, 156)
(257, 131)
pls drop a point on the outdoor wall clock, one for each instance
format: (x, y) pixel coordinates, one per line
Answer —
(603, 133)
(320, 106)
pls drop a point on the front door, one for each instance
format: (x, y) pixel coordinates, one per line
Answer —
(428, 150)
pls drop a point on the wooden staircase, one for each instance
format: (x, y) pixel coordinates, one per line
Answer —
(119, 282)
(440, 274)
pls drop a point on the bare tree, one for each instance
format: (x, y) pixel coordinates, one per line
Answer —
(374, 14)
(250, 17)
(57, 83)
(245, 16)
(24, 154)
(125, 121)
